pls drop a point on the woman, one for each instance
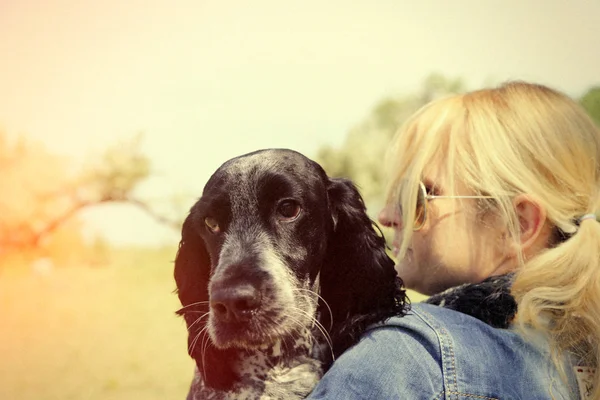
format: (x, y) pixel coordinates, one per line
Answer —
(493, 182)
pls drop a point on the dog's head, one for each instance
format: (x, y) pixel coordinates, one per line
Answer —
(270, 231)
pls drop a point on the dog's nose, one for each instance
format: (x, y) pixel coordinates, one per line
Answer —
(234, 303)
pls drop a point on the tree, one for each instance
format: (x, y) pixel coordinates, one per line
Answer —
(360, 158)
(591, 102)
(41, 193)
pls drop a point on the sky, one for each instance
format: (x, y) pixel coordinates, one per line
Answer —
(208, 80)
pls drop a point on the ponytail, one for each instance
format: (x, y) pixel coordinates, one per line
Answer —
(558, 293)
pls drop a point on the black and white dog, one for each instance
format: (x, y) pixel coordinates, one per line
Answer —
(279, 270)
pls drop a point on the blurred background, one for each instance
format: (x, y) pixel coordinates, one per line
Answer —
(114, 114)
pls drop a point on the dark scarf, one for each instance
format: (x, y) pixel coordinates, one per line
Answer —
(489, 301)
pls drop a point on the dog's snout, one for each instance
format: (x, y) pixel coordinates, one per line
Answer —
(235, 303)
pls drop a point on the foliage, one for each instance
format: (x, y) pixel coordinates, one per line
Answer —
(42, 193)
(116, 174)
(362, 154)
(591, 102)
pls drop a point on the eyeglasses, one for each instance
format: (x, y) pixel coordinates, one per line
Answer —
(423, 197)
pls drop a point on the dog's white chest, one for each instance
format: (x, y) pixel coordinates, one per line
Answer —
(279, 383)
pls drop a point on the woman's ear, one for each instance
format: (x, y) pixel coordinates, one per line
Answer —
(534, 230)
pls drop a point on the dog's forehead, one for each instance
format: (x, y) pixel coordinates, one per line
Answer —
(269, 161)
(241, 181)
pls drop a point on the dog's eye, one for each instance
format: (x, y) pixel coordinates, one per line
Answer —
(212, 225)
(288, 210)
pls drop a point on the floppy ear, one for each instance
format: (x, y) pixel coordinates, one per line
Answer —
(192, 274)
(358, 279)
(192, 268)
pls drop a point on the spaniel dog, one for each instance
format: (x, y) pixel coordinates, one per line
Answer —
(279, 270)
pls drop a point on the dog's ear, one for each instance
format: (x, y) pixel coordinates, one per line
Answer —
(192, 267)
(358, 279)
(192, 274)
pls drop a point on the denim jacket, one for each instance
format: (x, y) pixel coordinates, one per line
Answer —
(435, 353)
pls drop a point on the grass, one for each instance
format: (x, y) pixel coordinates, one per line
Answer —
(94, 333)
(85, 334)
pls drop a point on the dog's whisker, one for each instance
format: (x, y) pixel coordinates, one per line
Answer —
(193, 343)
(307, 296)
(204, 346)
(311, 318)
(321, 328)
(324, 302)
(285, 346)
(198, 303)
(297, 322)
(193, 312)
(200, 318)
(315, 321)
(309, 301)
(292, 317)
(289, 316)
(323, 332)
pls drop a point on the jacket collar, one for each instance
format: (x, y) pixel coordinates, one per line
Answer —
(489, 301)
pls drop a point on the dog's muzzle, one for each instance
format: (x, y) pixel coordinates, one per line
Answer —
(234, 303)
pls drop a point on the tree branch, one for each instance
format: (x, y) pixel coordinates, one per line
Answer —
(160, 218)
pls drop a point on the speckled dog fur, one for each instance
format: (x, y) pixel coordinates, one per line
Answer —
(316, 281)
(310, 285)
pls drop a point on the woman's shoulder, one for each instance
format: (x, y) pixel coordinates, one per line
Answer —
(444, 321)
(434, 353)
(447, 329)
(386, 364)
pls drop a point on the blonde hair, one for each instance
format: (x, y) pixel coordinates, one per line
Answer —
(521, 138)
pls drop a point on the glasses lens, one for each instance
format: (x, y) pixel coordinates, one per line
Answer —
(420, 207)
